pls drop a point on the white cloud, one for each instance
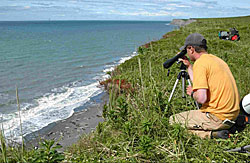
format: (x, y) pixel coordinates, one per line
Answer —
(26, 7)
(198, 4)
(141, 13)
(168, 8)
(179, 5)
(13, 5)
(181, 14)
(210, 7)
(73, 1)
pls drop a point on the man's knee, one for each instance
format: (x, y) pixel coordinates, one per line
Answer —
(174, 119)
(171, 119)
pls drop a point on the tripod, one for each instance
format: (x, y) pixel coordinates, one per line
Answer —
(183, 75)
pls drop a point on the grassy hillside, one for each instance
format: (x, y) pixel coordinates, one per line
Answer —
(136, 127)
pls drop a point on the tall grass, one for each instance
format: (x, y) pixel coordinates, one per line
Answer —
(3, 145)
(21, 127)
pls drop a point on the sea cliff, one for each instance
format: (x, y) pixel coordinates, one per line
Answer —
(182, 22)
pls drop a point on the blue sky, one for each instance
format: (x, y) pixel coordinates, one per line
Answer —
(120, 9)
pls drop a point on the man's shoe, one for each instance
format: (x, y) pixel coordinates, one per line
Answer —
(222, 134)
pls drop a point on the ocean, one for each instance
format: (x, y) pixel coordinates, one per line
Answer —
(57, 65)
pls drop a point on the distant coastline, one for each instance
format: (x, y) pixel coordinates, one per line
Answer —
(182, 22)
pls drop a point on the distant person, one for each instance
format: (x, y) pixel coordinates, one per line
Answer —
(214, 87)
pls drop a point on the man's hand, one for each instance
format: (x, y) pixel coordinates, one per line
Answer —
(185, 60)
(189, 90)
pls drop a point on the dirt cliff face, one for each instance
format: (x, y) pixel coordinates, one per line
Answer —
(182, 22)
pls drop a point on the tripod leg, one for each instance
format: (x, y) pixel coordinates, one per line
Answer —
(196, 103)
(183, 86)
(175, 84)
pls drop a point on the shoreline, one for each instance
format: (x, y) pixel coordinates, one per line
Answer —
(68, 131)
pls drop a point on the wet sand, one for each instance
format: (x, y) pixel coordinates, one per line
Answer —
(68, 131)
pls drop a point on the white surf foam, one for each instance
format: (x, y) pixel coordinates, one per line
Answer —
(111, 67)
(51, 108)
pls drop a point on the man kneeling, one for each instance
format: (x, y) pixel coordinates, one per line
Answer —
(214, 87)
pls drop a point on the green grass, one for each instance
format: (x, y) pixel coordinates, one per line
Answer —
(136, 127)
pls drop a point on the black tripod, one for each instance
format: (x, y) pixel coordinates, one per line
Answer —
(183, 75)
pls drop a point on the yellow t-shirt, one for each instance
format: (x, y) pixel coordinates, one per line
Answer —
(213, 74)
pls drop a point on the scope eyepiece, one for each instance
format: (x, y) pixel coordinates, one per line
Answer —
(171, 61)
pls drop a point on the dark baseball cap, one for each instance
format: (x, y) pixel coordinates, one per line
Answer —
(194, 39)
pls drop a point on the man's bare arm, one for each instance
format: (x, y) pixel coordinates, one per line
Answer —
(200, 96)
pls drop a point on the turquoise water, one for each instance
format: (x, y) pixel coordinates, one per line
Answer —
(56, 65)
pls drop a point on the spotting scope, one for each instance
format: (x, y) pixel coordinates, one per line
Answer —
(171, 61)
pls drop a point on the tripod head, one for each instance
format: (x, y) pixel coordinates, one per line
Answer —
(183, 66)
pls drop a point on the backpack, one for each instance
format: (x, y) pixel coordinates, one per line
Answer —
(232, 35)
(224, 35)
